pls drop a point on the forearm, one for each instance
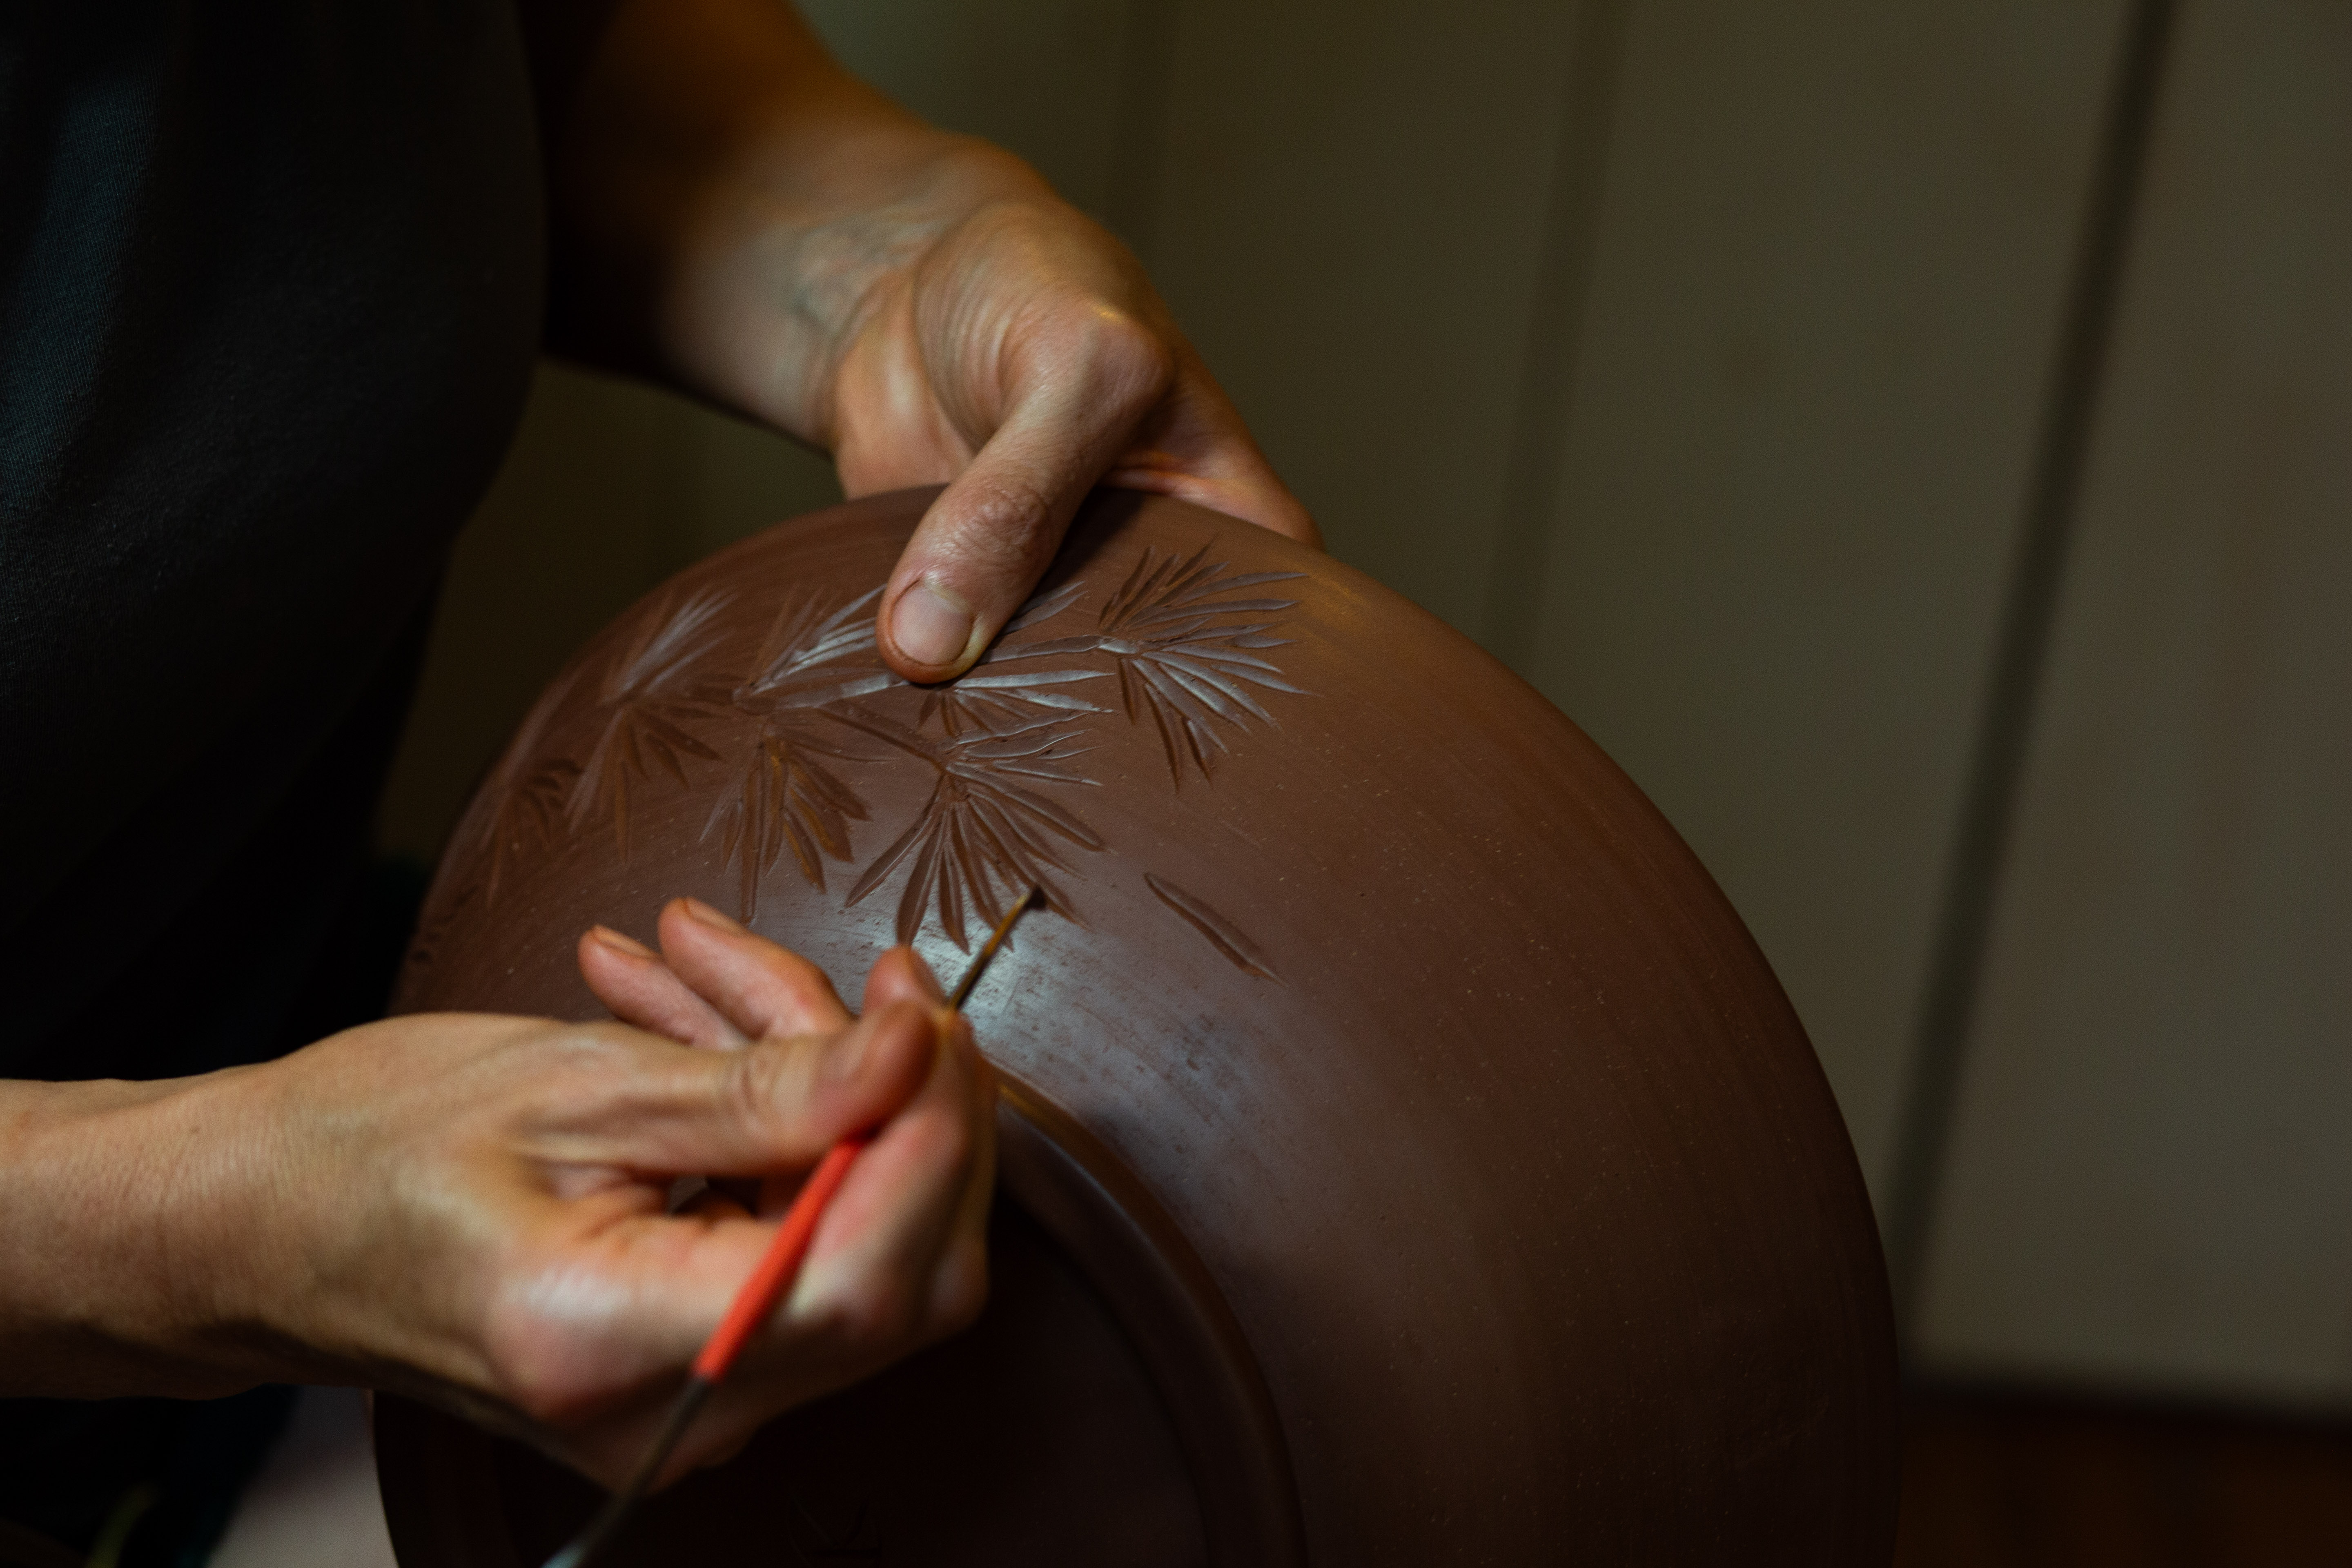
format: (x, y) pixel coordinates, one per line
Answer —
(735, 214)
(124, 1218)
(724, 196)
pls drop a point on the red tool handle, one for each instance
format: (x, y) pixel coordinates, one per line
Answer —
(778, 1266)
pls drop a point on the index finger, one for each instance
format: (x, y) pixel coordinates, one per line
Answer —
(767, 991)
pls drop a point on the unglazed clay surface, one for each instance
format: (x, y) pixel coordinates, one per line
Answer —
(1410, 1157)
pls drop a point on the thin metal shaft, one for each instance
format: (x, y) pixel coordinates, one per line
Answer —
(972, 971)
(608, 1520)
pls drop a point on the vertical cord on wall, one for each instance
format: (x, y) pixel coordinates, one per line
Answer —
(1971, 882)
(1564, 279)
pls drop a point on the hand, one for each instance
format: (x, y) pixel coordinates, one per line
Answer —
(1022, 356)
(921, 304)
(471, 1209)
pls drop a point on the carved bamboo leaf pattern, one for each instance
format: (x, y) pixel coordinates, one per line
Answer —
(982, 838)
(526, 795)
(991, 698)
(998, 703)
(643, 704)
(522, 803)
(533, 809)
(1228, 939)
(794, 666)
(788, 797)
(1043, 606)
(1184, 640)
(1180, 663)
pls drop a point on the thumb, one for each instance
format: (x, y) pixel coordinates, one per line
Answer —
(990, 534)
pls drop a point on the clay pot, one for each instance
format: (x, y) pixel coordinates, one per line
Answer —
(1408, 1156)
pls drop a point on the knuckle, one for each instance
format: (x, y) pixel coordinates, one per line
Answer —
(1131, 350)
(583, 1060)
(1001, 511)
(1003, 526)
(881, 1316)
(1116, 361)
(757, 1080)
(957, 1151)
(807, 987)
(534, 1359)
(592, 1047)
(963, 1296)
(796, 972)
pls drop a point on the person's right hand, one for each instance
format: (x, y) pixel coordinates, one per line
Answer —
(472, 1208)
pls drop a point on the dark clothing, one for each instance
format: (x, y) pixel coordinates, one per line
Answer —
(270, 289)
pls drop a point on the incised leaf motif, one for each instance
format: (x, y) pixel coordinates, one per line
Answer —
(981, 838)
(1184, 642)
(788, 797)
(1176, 663)
(643, 707)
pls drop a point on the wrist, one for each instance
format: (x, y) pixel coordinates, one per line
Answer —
(127, 1215)
(764, 297)
(726, 199)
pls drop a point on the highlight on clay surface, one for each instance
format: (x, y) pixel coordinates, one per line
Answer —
(1174, 662)
(788, 794)
(1222, 934)
(995, 699)
(643, 708)
(525, 794)
(1181, 638)
(981, 840)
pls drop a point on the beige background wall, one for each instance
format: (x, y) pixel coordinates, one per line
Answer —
(1699, 359)
(2152, 1175)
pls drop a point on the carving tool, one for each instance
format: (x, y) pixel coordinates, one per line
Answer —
(778, 1266)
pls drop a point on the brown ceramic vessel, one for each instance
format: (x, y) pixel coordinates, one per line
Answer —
(1408, 1156)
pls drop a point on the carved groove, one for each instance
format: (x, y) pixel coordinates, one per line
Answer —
(645, 708)
(1222, 934)
(981, 840)
(788, 797)
(1174, 662)
(985, 833)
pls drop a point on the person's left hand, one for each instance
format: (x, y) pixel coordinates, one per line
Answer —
(1022, 356)
(921, 304)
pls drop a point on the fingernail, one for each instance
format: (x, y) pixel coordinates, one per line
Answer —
(710, 917)
(619, 943)
(930, 625)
